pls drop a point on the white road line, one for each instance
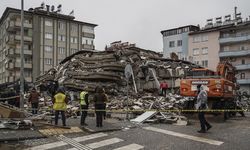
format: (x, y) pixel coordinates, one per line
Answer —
(104, 143)
(48, 146)
(190, 137)
(61, 143)
(130, 147)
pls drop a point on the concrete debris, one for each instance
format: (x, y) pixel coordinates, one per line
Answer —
(85, 70)
(12, 124)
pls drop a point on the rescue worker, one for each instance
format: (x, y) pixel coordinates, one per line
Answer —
(60, 101)
(99, 100)
(164, 87)
(201, 105)
(84, 104)
(34, 100)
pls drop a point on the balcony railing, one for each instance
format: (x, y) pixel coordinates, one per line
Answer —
(25, 38)
(89, 35)
(25, 51)
(242, 67)
(243, 81)
(234, 53)
(234, 38)
(26, 65)
(86, 46)
(16, 25)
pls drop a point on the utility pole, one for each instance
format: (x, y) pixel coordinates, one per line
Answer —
(22, 60)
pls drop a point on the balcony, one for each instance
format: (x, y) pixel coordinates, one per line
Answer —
(16, 25)
(9, 66)
(25, 38)
(234, 53)
(86, 46)
(242, 67)
(243, 81)
(9, 52)
(88, 35)
(25, 51)
(234, 39)
(26, 65)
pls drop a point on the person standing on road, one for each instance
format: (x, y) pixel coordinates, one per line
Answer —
(60, 101)
(84, 104)
(164, 87)
(34, 100)
(201, 106)
(99, 100)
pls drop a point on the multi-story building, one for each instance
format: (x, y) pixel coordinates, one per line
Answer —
(235, 47)
(203, 48)
(49, 37)
(176, 41)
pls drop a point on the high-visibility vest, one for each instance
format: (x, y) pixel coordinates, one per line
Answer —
(82, 98)
(60, 103)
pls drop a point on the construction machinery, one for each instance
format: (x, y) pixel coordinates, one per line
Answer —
(221, 85)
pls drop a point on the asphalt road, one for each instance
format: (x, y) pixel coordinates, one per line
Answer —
(231, 135)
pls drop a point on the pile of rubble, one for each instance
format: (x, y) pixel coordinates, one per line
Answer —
(85, 70)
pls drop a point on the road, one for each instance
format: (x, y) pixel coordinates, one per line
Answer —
(231, 135)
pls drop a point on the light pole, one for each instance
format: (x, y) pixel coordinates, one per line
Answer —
(22, 60)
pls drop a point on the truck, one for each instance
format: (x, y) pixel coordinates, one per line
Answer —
(221, 86)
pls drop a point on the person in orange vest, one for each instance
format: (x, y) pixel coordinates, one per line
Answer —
(164, 87)
(60, 101)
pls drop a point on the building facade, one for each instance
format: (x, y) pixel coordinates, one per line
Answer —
(176, 41)
(203, 48)
(49, 37)
(235, 47)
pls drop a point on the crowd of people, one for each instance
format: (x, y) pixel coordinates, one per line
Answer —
(60, 100)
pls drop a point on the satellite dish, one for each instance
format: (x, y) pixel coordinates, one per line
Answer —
(128, 71)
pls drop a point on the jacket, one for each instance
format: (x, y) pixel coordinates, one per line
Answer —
(60, 102)
(100, 98)
(202, 99)
(84, 98)
(34, 97)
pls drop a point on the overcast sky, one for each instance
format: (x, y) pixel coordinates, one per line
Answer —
(139, 21)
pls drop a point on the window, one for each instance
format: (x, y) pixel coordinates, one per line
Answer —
(87, 42)
(27, 73)
(73, 28)
(61, 25)
(61, 38)
(61, 50)
(28, 60)
(171, 44)
(243, 61)
(73, 40)
(48, 49)
(242, 76)
(242, 47)
(48, 36)
(92, 42)
(73, 50)
(196, 39)
(204, 50)
(196, 51)
(179, 43)
(48, 61)
(48, 23)
(196, 62)
(204, 63)
(204, 38)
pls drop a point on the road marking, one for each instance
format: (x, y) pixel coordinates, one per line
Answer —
(61, 143)
(130, 147)
(104, 143)
(195, 138)
(101, 143)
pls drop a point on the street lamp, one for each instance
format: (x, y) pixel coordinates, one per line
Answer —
(22, 60)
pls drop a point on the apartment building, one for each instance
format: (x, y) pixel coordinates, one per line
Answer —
(203, 48)
(176, 41)
(235, 47)
(49, 37)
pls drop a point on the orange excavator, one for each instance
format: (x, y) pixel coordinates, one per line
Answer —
(221, 85)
